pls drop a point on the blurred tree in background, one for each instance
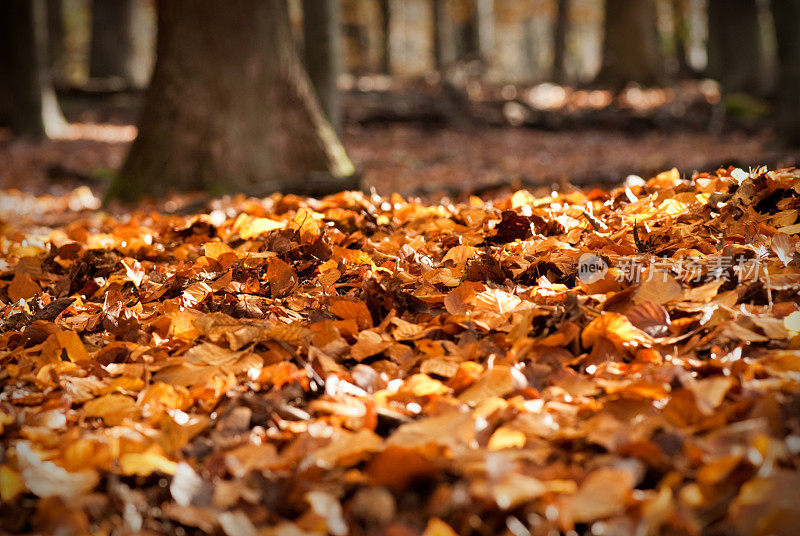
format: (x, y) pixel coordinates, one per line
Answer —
(116, 51)
(630, 45)
(27, 99)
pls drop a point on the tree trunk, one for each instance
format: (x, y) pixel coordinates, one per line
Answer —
(630, 45)
(230, 108)
(386, 23)
(55, 40)
(484, 27)
(786, 13)
(559, 74)
(356, 37)
(466, 33)
(114, 53)
(680, 28)
(322, 46)
(27, 100)
(734, 45)
(441, 34)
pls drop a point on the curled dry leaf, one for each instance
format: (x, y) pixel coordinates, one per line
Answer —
(651, 318)
(617, 329)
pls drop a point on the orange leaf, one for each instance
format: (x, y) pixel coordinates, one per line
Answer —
(617, 329)
(353, 310)
(22, 287)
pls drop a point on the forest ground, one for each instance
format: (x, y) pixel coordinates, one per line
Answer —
(430, 158)
(594, 361)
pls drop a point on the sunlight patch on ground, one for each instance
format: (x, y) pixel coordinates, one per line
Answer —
(99, 132)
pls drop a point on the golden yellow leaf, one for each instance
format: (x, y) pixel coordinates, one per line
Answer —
(11, 483)
(112, 408)
(437, 527)
(617, 329)
(249, 227)
(146, 463)
(506, 437)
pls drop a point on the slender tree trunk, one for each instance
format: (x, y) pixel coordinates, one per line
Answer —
(323, 54)
(113, 52)
(734, 45)
(467, 46)
(27, 100)
(439, 11)
(484, 27)
(230, 108)
(355, 36)
(559, 74)
(55, 39)
(630, 45)
(786, 14)
(386, 23)
(680, 26)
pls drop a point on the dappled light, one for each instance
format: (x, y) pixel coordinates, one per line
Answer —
(399, 267)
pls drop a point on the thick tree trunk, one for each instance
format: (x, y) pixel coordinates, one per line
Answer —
(27, 100)
(323, 54)
(114, 53)
(630, 45)
(559, 74)
(230, 108)
(386, 24)
(734, 45)
(786, 13)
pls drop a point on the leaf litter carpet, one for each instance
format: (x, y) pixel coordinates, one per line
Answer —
(600, 363)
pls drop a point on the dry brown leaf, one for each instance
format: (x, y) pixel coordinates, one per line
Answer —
(604, 492)
(22, 287)
(617, 329)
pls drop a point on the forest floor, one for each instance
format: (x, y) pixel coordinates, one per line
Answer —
(585, 361)
(432, 150)
(596, 362)
(420, 160)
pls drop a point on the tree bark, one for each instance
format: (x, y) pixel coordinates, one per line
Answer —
(230, 108)
(356, 37)
(55, 39)
(442, 51)
(113, 52)
(484, 27)
(322, 47)
(559, 73)
(386, 23)
(734, 45)
(680, 27)
(27, 100)
(467, 47)
(630, 45)
(786, 13)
